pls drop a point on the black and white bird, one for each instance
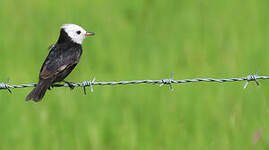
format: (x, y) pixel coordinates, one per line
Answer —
(61, 60)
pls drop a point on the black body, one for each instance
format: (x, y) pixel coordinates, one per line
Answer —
(61, 60)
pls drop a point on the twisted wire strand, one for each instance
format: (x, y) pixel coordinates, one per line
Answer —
(162, 82)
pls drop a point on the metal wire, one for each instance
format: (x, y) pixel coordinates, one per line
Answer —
(162, 82)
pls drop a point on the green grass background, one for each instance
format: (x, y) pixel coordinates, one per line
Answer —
(139, 39)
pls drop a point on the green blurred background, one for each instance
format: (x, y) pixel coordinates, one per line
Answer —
(139, 39)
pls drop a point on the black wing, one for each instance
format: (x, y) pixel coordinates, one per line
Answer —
(61, 58)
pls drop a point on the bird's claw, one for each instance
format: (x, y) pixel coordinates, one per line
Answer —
(70, 85)
(50, 87)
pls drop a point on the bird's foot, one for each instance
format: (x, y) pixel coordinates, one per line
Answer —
(70, 85)
(50, 88)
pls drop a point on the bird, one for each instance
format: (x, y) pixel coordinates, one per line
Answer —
(61, 60)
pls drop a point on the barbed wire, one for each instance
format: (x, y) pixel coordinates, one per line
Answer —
(162, 82)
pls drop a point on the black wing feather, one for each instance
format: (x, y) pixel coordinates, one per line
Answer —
(60, 58)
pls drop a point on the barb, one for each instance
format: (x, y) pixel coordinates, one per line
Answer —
(87, 83)
(5, 86)
(162, 82)
(252, 78)
(168, 82)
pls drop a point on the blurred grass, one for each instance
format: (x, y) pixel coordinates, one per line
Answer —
(138, 40)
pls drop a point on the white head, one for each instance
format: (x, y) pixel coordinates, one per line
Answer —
(76, 33)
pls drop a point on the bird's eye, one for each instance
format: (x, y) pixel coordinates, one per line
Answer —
(78, 32)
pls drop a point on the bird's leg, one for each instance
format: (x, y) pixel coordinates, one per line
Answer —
(51, 87)
(69, 84)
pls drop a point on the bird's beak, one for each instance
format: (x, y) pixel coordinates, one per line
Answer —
(89, 34)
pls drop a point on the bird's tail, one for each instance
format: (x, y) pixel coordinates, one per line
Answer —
(39, 91)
